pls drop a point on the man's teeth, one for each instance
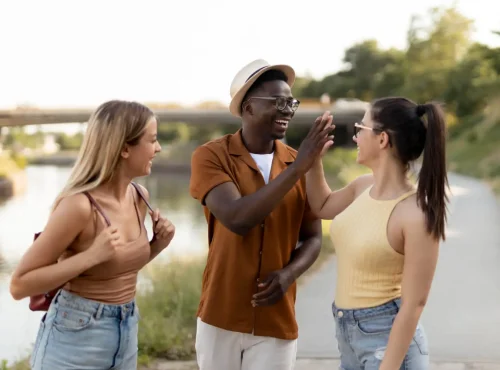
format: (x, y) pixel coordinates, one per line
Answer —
(281, 121)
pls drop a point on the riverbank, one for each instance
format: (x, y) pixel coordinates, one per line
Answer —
(340, 163)
(12, 177)
(6, 188)
(163, 163)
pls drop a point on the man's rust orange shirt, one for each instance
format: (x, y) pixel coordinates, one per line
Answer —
(232, 270)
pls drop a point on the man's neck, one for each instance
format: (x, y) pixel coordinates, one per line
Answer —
(257, 144)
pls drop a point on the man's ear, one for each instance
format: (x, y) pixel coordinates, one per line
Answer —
(247, 107)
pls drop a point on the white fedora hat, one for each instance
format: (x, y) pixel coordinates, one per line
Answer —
(245, 78)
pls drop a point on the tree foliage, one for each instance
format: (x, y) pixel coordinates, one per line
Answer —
(440, 62)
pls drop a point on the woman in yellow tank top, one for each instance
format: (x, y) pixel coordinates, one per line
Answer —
(386, 234)
(96, 234)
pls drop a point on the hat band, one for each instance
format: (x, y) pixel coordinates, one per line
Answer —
(249, 77)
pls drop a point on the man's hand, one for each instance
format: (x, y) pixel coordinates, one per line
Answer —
(316, 142)
(275, 286)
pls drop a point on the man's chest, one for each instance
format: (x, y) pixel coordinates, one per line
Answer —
(250, 180)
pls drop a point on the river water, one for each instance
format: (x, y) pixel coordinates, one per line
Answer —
(26, 213)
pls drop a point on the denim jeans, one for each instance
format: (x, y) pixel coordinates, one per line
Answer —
(77, 333)
(362, 336)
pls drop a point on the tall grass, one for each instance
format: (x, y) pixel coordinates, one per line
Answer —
(473, 147)
(18, 365)
(168, 306)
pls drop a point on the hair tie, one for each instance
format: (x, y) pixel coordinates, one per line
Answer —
(420, 110)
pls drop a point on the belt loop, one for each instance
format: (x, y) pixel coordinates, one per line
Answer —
(56, 297)
(99, 311)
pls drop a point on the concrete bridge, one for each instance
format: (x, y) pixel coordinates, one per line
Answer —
(344, 117)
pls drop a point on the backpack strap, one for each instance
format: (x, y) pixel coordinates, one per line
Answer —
(141, 194)
(98, 208)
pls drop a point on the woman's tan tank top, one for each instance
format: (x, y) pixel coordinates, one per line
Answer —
(114, 281)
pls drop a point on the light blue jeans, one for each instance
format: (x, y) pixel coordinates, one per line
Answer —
(362, 336)
(77, 333)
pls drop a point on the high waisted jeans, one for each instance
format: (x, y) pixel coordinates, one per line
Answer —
(78, 333)
(362, 335)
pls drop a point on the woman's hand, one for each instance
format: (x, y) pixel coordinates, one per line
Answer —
(163, 229)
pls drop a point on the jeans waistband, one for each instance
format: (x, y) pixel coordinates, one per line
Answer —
(391, 307)
(66, 299)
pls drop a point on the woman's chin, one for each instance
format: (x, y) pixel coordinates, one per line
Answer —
(147, 170)
(359, 160)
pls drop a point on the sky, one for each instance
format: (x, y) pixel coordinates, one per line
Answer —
(60, 53)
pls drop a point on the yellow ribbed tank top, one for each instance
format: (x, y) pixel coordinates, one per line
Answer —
(369, 270)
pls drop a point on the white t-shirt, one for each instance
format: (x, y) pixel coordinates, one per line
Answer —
(264, 163)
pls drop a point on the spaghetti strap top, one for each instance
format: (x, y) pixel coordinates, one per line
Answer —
(114, 281)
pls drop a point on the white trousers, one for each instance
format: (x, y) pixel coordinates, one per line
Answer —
(219, 349)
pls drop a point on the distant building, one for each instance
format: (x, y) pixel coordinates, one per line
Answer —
(50, 145)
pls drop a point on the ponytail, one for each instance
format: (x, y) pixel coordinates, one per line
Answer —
(432, 178)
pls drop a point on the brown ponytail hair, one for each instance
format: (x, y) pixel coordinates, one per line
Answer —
(416, 129)
(432, 178)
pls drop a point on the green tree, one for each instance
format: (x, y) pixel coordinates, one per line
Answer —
(472, 80)
(433, 51)
(369, 72)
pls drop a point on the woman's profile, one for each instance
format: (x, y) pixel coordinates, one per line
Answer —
(94, 244)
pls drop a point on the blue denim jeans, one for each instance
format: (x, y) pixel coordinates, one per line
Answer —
(362, 336)
(77, 333)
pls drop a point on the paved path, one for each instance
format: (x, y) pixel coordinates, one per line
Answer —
(462, 317)
(307, 364)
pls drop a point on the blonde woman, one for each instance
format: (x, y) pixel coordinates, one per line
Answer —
(386, 232)
(96, 234)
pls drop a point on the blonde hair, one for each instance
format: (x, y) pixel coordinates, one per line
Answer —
(112, 125)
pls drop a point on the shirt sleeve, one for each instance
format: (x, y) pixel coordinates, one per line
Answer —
(207, 172)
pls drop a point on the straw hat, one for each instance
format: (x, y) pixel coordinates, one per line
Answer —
(245, 78)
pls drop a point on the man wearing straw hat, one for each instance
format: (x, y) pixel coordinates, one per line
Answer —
(262, 235)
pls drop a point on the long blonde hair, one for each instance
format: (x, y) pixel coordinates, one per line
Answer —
(112, 125)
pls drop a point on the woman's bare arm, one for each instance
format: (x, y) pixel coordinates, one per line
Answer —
(38, 271)
(421, 255)
(324, 202)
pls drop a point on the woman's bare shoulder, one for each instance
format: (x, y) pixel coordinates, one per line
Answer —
(76, 206)
(361, 183)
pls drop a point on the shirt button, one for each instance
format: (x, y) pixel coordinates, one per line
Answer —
(341, 314)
